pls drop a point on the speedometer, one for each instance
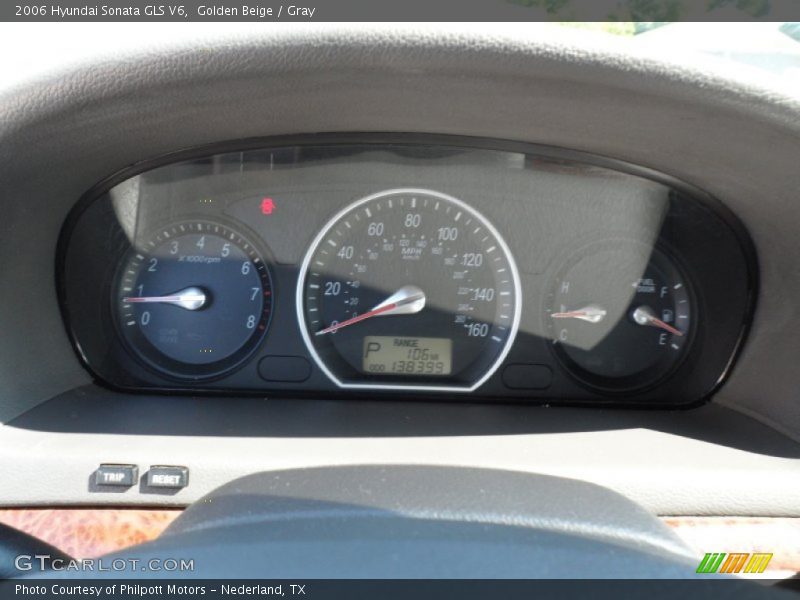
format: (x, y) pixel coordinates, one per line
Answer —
(409, 289)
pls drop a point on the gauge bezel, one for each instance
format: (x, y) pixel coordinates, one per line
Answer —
(94, 342)
(146, 354)
(319, 239)
(642, 380)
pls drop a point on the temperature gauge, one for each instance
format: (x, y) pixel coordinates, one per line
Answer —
(619, 315)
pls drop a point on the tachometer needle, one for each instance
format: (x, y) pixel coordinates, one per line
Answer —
(591, 314)
(644, 316)
(408, 300)
(191, 298)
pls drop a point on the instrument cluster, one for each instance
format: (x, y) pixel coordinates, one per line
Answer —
(446, 269)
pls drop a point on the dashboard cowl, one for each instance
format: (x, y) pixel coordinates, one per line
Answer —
(411, 521)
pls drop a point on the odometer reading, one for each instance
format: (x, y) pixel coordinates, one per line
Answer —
(409, 266)
(409, 356)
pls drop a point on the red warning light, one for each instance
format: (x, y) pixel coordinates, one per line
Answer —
(267, 206)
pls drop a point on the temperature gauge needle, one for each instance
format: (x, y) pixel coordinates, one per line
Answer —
(590, 314)
(191, 298)
(408, 300)
(644, 316)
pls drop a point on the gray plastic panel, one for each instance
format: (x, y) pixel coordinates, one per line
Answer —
(709, 461)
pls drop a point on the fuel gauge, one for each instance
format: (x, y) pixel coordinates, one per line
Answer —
(619, 315)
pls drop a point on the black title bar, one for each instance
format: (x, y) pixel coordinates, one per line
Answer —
(384, 589)
(400, 10)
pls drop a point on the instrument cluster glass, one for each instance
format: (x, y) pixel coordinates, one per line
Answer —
(449, 269)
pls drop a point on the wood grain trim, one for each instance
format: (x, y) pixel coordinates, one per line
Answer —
(90, 532)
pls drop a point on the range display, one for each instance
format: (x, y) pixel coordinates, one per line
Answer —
(446, 269)
(387, 355)
(414, 269)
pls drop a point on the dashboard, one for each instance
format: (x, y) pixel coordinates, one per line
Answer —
(593, 162)
(390, 265)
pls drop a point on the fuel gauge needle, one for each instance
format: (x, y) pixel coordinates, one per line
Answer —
(644, 316)
(408, 300)
(590, 314)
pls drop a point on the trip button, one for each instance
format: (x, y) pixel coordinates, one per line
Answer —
(116, 475)
(167, 477)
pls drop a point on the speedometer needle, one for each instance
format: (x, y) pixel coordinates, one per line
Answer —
(191, 298)
(644, 316)
(408, 300)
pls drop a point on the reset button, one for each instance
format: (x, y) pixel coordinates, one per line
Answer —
(167, 477)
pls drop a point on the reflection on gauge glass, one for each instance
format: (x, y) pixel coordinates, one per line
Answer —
(619, 314)
(409, 289)
(194, 299)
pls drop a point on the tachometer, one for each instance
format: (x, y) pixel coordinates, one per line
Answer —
(409, 289)
(194, 299)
